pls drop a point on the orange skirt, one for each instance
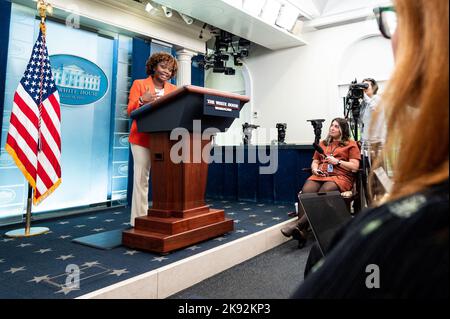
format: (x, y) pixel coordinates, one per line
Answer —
(345, 183)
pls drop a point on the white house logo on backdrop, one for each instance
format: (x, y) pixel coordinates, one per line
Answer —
(71, 76)
(79, 81)
(7, 196)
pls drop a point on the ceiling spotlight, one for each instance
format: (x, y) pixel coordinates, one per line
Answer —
(167, 11)
(219, 64)
(237, 59)
(201, 31)
(244, 42)
(244, 53)
(186, 18)
(230, 71)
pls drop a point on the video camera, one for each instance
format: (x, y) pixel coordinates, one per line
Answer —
(247, 131)
(353, 103)
(226, 46)
(281, 129)
(356, 90)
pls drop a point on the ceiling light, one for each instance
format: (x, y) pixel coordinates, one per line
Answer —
(253, 7)
(186, 18)
(149, 7)
(167, 11)
(287, 16)
(270, 11)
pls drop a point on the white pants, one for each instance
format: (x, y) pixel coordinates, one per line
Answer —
(141, 166)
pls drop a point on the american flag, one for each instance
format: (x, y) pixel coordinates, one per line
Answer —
(34, 135)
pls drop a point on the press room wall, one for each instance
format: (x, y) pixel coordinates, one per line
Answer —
(308, 82)
(240, 83)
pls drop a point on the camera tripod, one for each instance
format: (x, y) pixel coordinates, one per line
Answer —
(352, 112)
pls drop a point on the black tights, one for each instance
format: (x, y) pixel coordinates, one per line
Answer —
(314, 187)
(319, 187)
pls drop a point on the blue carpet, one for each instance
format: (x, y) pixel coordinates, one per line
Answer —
(35, 267)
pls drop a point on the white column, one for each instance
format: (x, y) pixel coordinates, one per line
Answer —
(184, 58)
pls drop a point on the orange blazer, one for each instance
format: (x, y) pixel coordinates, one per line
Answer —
(137, 89)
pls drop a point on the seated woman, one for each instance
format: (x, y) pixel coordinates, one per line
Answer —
(333, 171)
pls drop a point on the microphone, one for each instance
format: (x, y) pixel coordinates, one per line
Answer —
(319, 149)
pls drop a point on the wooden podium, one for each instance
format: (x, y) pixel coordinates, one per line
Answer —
(179, 216)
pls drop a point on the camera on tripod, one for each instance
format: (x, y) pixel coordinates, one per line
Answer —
(353, 103)
(356, 90)
(247, 131)
(281, 129)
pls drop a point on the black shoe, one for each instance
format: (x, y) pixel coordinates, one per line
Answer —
(288, 230)
(300, 236)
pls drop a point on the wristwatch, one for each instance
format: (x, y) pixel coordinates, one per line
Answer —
(141, 101)
(338, 163)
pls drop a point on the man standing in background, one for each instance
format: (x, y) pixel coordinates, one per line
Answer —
(371, 99)
(372, 133)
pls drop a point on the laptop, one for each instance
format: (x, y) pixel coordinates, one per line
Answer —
(326, 213)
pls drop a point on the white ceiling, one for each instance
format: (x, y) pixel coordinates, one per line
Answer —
(316, 14)
(341, 12)
(319, 9)
(223, 15)
(342, 6)
(322, 8)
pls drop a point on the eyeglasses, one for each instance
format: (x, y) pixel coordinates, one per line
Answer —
(387, 20)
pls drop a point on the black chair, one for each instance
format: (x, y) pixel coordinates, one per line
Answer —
(352, 197)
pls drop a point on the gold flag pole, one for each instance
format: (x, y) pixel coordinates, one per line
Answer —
(43, 7)
(28, 231)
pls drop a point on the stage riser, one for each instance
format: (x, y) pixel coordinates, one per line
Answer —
(161, 243)
(172, 226)
(160, 283)
(201, 208)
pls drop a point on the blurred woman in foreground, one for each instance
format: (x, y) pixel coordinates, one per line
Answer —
(400, 249)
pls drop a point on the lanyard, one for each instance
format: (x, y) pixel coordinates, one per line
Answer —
(331, 154)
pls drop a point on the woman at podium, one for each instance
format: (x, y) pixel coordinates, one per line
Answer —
(160, 68)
